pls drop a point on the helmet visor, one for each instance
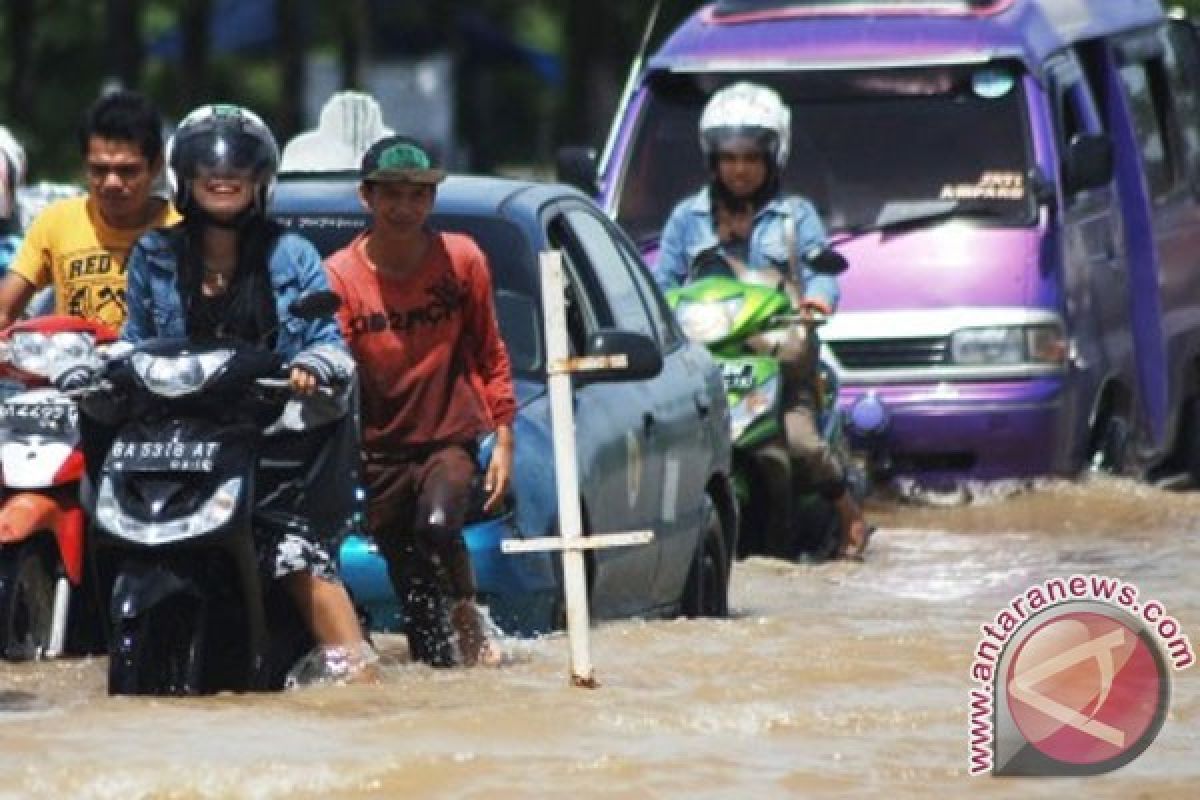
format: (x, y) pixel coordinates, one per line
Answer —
(222, 154)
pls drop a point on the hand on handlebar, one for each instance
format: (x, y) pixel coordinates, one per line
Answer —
(302, 381)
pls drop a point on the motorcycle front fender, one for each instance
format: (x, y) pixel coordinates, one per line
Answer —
(135, 593)
(25, 513)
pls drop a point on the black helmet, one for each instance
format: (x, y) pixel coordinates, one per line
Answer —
(223, 138)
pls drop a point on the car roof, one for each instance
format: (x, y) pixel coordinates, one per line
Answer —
(458, 194)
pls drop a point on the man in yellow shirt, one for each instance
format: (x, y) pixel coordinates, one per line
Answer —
(79, 245)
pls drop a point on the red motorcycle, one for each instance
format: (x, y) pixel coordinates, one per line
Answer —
(44, 610)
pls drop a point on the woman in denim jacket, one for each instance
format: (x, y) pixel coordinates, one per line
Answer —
(227, 270)
(744, 132)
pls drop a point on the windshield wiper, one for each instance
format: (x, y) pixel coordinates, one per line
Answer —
(896, 217)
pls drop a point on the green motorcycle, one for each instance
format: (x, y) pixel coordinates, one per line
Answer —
(742, 324)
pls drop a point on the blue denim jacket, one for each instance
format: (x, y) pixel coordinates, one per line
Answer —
(690, 231)
(156, 309)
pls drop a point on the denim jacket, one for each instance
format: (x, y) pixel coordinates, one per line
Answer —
(156, 309)
(690, 231)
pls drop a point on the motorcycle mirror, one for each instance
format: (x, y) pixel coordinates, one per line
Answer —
(827, 261)
(316, 305)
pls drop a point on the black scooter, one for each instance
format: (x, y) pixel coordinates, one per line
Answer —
(204, 438)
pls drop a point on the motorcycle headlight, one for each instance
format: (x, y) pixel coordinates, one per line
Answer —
(42, 353)
(176, 376)
(706, 322)
(215, 512)
(1013, 344)
(754, 405)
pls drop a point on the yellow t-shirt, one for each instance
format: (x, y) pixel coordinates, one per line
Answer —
(69, 245)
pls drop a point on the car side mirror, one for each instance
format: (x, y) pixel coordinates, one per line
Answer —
(643, 358)
(1089, 162)
(575, 165)
(316, 305)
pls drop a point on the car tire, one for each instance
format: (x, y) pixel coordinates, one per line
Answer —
(26, 599)
(706, 593)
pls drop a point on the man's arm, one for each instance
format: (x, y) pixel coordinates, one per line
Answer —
(15, 294)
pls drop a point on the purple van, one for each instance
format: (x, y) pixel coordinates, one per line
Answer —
(1016, 184)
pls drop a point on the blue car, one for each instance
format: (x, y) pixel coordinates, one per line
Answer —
(653, 449)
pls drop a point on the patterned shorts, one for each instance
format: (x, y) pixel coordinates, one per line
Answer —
(290, 552)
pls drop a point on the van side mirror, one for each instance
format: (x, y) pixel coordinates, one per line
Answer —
(1042, 188)
(575, 165)
(827, 261)
(1088, 163)
(643, 359)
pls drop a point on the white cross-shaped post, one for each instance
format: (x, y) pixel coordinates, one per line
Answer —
(570, 540)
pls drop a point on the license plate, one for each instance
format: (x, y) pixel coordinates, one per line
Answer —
(173, 456)
(32, 418)
(738, 377)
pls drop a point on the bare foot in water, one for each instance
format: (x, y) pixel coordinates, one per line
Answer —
(476, 647)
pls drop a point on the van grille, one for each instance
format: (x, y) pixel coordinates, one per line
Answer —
(926, 351)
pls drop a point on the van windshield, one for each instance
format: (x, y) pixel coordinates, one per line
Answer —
(866, 145)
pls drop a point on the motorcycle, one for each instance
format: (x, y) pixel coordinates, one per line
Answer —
(203, 436)
(46, 606)
(742, 321)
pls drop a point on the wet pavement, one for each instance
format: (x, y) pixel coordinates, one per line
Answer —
(838, 680)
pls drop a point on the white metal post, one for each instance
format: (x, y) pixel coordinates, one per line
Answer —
(562, 419)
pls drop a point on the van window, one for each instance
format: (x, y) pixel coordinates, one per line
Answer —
(863, 141)
(1182, 61)
(1144, 84)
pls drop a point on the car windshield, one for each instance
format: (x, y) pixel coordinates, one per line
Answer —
(866, 145)
(511, 259)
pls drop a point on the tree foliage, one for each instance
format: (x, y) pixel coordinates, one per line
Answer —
(59, 54)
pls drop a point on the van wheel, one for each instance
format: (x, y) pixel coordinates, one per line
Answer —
(1191, 439)
(26, 599)
(706, 593)
(1110, 446)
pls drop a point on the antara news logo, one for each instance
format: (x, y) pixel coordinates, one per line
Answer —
(1072, 679)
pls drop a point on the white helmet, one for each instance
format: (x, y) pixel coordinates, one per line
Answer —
(747, 110)
(12, 173)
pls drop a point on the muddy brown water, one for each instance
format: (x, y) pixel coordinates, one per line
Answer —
(840, 680)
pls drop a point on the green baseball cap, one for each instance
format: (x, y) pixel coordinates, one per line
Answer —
(400, 158)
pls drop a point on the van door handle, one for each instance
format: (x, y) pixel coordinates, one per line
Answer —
(703, 404)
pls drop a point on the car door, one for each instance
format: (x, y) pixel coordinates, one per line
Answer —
(620, 467)
(687, 399)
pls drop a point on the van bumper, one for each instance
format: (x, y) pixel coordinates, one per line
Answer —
(944, 433)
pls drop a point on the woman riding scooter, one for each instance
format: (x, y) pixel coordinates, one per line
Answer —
(227, 270)
(743, 215)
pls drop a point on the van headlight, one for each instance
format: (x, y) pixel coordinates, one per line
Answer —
(1009, 344)
(175, 376)
(754, 405)
(708, 321)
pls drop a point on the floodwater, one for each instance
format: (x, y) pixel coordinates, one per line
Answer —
(840, 680)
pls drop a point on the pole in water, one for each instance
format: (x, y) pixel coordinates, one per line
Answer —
(570, 540)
